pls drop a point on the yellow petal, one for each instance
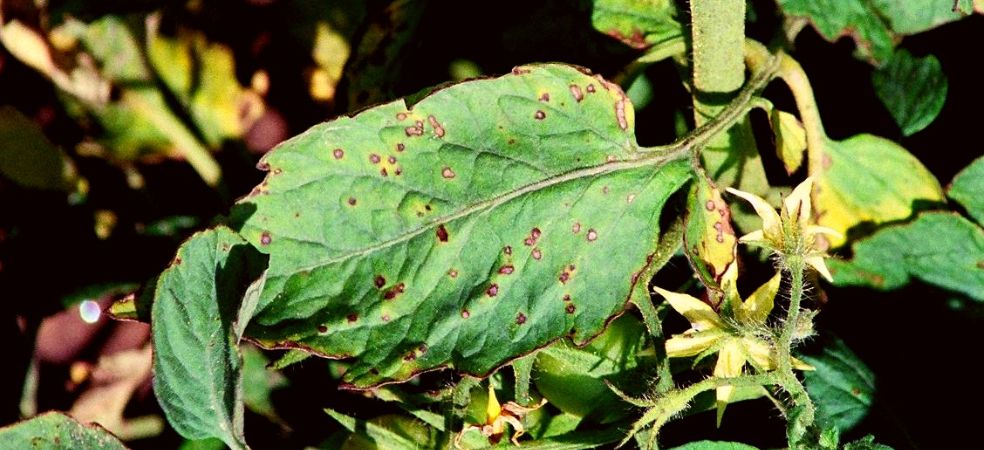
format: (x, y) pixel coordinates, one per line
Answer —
(800, 365)
(760, 353)
(770, 219)
(797, 205)
(813, 230)
(730, 361)
(758, 306)
(755, 236)
(684, 345)
(492, 408)
(817, 263)
(700, 314)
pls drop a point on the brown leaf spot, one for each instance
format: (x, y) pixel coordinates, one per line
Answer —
(623, 122)
(720, 232)
(400, 147)
(351, 201)
(592, 235)
(507, 249)
(591, 88)
(856, 391)
(520, 319)
(379, 281)
(401, 116)
(394, 292)
(352, 318)
(520, 71)
(567, 297)
(263, 165)
(576, 228)
(416, 130)
(630, 198)
(506, 269)
(278, 171)
(385, 317)
(545, 97)
(391, 159)
(374, 158)
(438, 129)
(447, 173)
(564, 276)
(710, 205)
(540, 115)
(265, 238)
(493, 290)
(453, 273)
(532, 238)
(465, 314)
(442, 233)
(570, 308)
(322, 329)
(537, 254)
(576, 92)
(383, 172)
(410, 357)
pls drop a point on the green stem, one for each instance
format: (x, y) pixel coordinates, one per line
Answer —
(674, 402)
(792, 73)
(787, 377)
(718, 41)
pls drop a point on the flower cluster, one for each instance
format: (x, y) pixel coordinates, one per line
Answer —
(789, 232)
(742, 336)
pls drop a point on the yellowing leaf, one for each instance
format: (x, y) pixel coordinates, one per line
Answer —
(790, 139)
(869, 179)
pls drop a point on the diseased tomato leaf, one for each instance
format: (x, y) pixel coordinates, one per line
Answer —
(487, 220)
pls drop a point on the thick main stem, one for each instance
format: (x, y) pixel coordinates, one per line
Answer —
(718, 39)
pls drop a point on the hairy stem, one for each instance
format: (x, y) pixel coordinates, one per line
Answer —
(718, 40)
(787, 378)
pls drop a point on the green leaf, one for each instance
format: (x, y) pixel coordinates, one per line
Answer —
(967, 187)
(715, 445)
(57, 431)
(637, 23)
(28, 158)
(842, 386)
(259, 382)
(197, 364)
(384, 433)
(573, 379)
(489, 219)
(875, 25)
(575, 440)
(938, 248)
(913, 89)
(869, 180)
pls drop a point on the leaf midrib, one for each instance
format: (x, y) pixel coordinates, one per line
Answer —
(640, 160)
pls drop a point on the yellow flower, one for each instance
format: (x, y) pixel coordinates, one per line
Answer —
(733, 340)
(789, 232)
(496, 418)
